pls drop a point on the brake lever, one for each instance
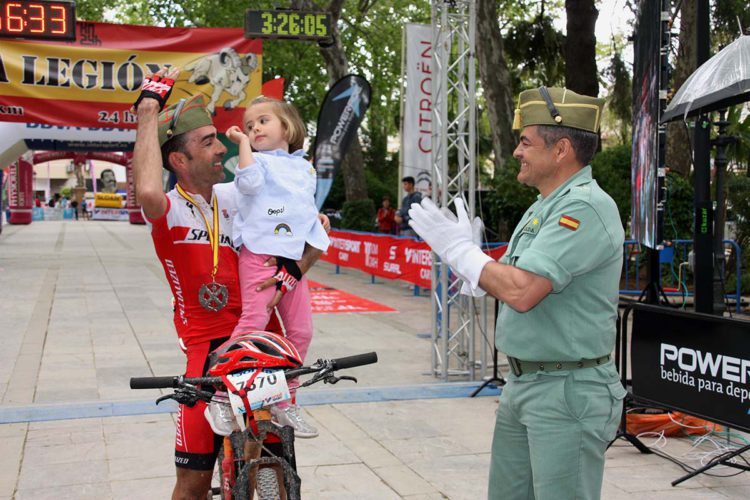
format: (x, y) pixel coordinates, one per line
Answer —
(331, 379)
(188, 396)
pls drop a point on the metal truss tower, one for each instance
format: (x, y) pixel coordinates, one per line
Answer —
(454, 174)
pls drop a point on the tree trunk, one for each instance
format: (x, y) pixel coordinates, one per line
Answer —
(678, 154)
(581, 75)
(337, 66)
(495, 77)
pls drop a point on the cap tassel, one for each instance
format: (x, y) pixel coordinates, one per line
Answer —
(517, 119)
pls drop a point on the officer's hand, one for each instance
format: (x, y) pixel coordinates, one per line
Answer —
(437, 229)
(452, 240)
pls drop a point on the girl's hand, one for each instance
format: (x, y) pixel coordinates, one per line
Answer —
(236, 135)
(325, 221)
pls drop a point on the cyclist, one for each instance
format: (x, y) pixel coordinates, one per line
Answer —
(191, 230)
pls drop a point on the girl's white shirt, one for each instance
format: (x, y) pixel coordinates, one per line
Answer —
(276, 205)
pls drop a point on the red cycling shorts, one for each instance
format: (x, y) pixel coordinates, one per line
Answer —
(196, 445)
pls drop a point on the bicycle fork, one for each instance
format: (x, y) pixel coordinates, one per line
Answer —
(286, 475)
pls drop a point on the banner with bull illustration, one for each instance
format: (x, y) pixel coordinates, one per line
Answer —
(93, 81)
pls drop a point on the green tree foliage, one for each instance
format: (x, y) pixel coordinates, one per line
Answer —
(727, 17)
(358, 215)
(504, 202)
(738, 197)
(738, 152)
(534, 48)
(611, 169)
(620, 100)
(678, 207)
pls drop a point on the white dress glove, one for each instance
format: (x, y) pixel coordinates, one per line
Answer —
(453, 241)
(477, 231)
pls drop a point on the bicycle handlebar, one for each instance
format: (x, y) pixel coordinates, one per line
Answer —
(330, 365)
(153, 382)
(367, 358)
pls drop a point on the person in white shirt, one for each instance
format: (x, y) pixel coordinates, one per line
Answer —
(276, 216)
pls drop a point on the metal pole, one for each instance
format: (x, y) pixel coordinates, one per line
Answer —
(702, 232)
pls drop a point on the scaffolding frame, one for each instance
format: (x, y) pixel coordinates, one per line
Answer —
(454, 174)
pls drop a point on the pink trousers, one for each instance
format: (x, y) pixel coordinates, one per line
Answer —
(294, 308)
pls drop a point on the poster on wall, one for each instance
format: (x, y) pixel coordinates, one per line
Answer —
(644, 163)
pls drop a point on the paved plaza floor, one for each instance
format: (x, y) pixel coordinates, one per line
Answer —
(84, 306)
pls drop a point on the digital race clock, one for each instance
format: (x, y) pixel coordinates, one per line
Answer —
(292, 24)
(40, 20)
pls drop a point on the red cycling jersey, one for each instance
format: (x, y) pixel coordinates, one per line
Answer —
(183, 247)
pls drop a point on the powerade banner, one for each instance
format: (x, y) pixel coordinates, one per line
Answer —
(692, 362)
(93, 81)
(386, 256)
(342, 111)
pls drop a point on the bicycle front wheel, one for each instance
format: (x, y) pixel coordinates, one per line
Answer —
(267, 485)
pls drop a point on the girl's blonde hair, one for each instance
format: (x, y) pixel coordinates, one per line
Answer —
(290, 120)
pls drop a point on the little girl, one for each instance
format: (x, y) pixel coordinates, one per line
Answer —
(276, 216)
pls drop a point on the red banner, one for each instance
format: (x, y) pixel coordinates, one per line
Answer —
(92, 81)
(386, 256)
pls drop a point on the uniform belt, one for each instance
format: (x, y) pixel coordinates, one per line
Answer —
(519, 367)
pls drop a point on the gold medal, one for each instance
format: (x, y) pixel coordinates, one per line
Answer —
(212, 296)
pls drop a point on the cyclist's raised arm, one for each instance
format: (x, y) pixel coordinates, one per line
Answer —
(147, 163)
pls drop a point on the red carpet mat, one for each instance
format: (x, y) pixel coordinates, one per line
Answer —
(329, 300)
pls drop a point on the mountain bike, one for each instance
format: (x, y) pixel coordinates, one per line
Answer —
(260, 457)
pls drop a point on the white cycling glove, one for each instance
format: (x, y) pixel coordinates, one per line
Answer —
(453, 241)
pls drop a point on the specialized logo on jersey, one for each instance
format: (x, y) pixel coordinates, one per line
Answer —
(201, 235)
(283, 228)
(569, 222)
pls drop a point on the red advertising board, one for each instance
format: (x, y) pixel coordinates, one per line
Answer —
(386, 256)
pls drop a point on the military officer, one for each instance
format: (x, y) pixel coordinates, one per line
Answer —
(558, 283)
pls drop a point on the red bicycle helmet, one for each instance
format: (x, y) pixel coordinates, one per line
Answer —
(253, 350)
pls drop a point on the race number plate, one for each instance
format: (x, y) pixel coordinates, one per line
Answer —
(268, 388)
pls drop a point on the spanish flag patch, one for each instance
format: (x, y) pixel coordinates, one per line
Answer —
(569, 222)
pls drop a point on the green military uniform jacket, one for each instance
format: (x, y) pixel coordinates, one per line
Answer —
(574, 238)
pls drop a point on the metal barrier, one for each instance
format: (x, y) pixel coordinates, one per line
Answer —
(678, 250)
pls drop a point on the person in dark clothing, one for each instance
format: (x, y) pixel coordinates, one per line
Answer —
(402, 216)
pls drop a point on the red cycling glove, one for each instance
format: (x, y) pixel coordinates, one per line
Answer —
(156, 87)
(288, 274)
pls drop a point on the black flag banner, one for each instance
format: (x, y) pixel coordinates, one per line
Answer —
(340, 115)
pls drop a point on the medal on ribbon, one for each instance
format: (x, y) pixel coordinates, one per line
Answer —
(212, 296)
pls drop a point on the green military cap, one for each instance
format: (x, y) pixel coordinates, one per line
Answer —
(556, 106)
(183, 116)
